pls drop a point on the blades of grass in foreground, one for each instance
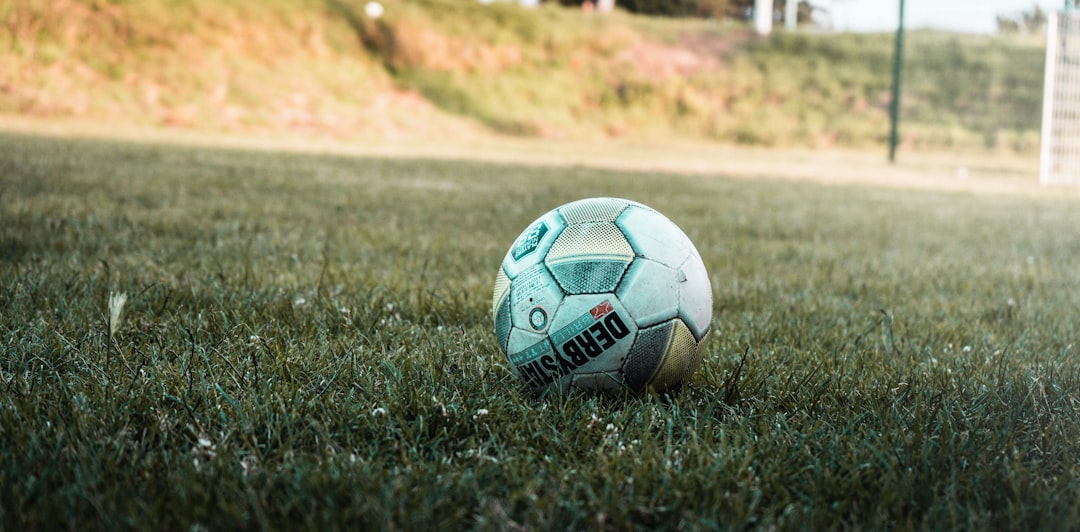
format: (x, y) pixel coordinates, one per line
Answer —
(306, 342)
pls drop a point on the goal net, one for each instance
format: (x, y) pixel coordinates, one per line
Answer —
(1060, 158)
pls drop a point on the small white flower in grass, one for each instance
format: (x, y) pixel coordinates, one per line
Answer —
(379, 411)
(478, 454)
(480, 413)
(249, 464)
(203, 452)
(966, 349)
(299, 301)
(439, 405)
(594, 421)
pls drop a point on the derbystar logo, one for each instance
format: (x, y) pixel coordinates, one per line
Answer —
(529, 242)
(580, 341)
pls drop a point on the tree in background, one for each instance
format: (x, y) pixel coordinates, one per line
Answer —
(1032, 21)
(739, 9)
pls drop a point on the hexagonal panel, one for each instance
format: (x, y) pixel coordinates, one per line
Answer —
(591, 333)
(653, 236)
(695, 292)
(650, 292)
(593, 210)
(589, 258)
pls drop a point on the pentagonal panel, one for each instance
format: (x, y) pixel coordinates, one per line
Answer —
(591, 333)
(593, 210)
(653, 236)
(532, 244)
(650, 292)
(695, 292)
(589, 258)
(534, 298)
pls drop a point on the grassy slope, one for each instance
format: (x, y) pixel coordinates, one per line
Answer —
(307, 342)
(236, 66)
(321, 68)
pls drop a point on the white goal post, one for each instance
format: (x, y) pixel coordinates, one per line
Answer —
(1060, 151)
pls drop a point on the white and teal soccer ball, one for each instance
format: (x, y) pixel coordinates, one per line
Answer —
(602, 295)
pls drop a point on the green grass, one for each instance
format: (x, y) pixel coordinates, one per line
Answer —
(306, 343)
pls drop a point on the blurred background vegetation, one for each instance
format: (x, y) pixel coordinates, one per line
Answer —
(675, 69)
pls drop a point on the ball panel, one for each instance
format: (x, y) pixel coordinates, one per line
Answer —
(525, 352)
(533, 244)
(591, 333)
(589, 277)
(654, 237)
(681, 358)
(593, 210)
(600, 240)
(502, 323)
(534, 299)
(502, 287)
(589, 258)
(646, 355)
(695, 305)
(650, 291)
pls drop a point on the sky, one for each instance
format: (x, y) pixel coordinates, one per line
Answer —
(972, 16)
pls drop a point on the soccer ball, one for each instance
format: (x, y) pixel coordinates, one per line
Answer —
(602, 295)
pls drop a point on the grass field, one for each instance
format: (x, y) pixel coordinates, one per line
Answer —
(306, 343)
